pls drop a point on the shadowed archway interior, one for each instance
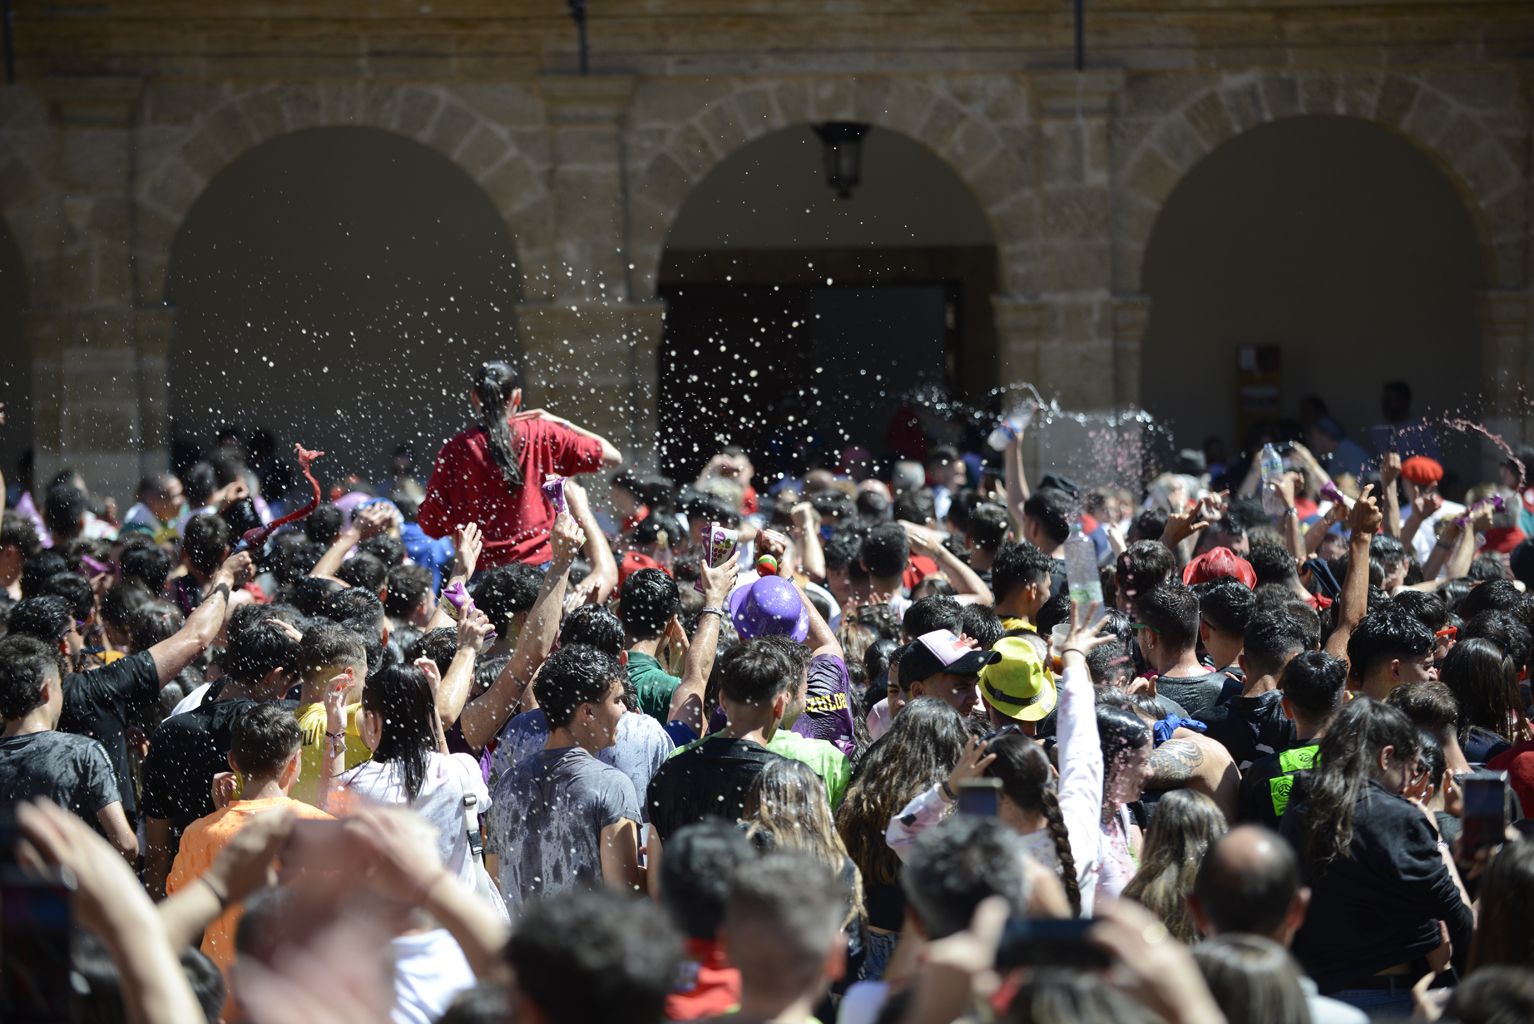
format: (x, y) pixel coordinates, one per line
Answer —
(1333, 238)
(335, 286)
(15, 359)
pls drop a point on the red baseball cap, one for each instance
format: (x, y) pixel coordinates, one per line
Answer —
(633, 561)
(1218, 562)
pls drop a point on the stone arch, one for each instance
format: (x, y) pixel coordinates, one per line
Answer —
(951, 119)
(1467, 122)
(488, 131)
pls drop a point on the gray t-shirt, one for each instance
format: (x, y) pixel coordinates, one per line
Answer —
(641, 748)
(1196, 693)
(546, 820)
(72, 771)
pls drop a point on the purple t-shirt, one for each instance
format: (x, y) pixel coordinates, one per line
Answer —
(828, 703)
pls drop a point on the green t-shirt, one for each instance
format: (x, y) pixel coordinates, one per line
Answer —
(653, 685)
(821, 756)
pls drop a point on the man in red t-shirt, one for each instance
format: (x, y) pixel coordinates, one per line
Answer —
(694, 883)
(470, 481)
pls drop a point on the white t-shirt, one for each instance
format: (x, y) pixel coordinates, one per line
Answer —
(448, 778)
(191, 701)
(429, 970)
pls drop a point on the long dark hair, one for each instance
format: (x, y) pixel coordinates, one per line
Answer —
(1023, 768)
(1348, 760)
(1504, 934)
(401, 697)
(922, 746)
(1181, 831)
(1484, 682)
(494, 383)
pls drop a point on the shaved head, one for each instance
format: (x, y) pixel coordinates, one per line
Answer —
(1249, 882)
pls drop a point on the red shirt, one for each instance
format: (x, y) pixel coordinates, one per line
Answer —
(1518, 762)
(708, 987)
(467, 486)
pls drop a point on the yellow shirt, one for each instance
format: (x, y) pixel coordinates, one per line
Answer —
(311, 723)
(1013, 624)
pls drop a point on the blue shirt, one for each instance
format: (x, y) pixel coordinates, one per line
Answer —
(433, 553)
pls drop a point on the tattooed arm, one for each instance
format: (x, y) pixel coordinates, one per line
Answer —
(1190, 760)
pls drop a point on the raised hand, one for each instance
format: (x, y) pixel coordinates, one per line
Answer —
(1365, 515)
(374, 520)
(972, 763)
(473, 631)
(468, 544)
(335, 704)
(1085, 636)
(238, 569)
(566, 538)
(719, 580)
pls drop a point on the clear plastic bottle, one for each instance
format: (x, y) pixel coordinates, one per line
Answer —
(1012, 424)
(1272, 466)
(1081, 574)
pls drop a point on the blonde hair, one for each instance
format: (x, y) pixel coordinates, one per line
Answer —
(787, 809)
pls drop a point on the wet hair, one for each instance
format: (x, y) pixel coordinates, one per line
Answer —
(841, 550)
(37, 568)
(1347, 760)
(205, 542)
(1248, 898)
(258, 645)
(1484, 682)
(1493, 595)
(1144, 566)
(981, 622)
(408, 587)
(363, 570)
(1053, 612)
(507, 591)
(595, 626)
(574, 675)
(1119, 731)
(885, 550)
(1172, 612)
(118, 604)
(46, 617)
(1052, 509)
(385, 547)
(402, 698)
(783, 917)
(1110, 664)
(1504, 933)
(695, 874)
(754, 672)
(1313, 683)
(1027, 780)
(18, 531)
(1504, 630)
(1427, 608)
(914, 506)
(438, 644)
(1183, 826)
(954, 866)
(1270, 641)
(787, 808)
(932, 613)
(646, 602)
(922, 746)
(152, 622)
(1253, 980)
(1272, 564)
(75, 589)
(357, 608)
(323, 525)
(1226, 604)
(584, 955)
(327, 646)
(26, 663)
(264, 739)
(1019, 564)
(1386, 634)
(986, 525)
(494, 384)
(148, 564)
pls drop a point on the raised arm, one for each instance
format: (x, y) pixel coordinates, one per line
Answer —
(1015, 477)
(806, 532)
(370, 522)
(821, 638)
(970, 588)
(483, 716)
(598, 586)
(176, 652)
(453, 691)
(1364, 521)
(1390, 472)
(687, 699)
(468, 542)
(612, 458)
(1079, 753)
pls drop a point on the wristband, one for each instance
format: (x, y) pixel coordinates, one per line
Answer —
(1073, 650)
(1291, 511)
(712, 611)
(947, 791)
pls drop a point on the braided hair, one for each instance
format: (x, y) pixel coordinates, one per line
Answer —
(1026, 779)
(494, 383)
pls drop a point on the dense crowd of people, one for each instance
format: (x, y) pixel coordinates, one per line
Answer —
(902, 739)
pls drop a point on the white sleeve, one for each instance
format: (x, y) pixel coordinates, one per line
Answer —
(1081, 766)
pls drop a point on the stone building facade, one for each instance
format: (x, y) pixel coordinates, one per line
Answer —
(123, 113)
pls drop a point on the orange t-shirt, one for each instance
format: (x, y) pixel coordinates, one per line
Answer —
(201, 843)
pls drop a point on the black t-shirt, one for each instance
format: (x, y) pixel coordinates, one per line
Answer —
(1198, 693)
(1251, 727)
(70, 770)
(187, 751)
(1275, 783)
(707, 780)
(103, 702)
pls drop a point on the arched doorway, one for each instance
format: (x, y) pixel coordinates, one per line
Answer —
(1335, 240)
(15, 360)
(334, 286)
(795, 319)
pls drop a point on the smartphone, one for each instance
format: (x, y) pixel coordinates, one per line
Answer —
(1484, 813)
(1049, 942)
(35, 929)
(980, 798)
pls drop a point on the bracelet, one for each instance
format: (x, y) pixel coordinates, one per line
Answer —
(947, 791)
(1073, 650)
(713, 611)
(1291, 512)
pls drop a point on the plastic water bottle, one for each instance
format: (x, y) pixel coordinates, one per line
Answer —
(1012, 424)
(1081, 576)
(1272, 466)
